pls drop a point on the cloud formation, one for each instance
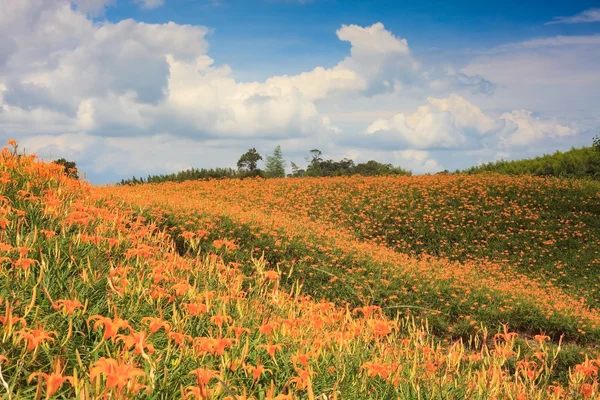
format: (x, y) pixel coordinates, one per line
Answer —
(587, 16)
(453, 122)
(147, 97)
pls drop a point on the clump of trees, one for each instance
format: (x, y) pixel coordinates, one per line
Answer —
(575, 163)
(317, 166)
(70, 168)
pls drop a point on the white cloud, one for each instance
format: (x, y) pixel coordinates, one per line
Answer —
(450, 122)
(130, 97)
(131, 78)
(589, 15)
(523, 128)
(417, 161)
(381, 59)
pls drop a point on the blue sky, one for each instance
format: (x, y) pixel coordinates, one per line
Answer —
(133, 87)
(292, 36)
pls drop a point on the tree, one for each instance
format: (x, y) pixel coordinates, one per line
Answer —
(249, 159)
(275, 165)
(69, 166)
(596, 143)
(296, 170)
(314, 164)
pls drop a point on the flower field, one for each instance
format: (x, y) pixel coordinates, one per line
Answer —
(478, 287)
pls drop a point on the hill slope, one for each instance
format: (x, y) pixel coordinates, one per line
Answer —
(575, 163)
(98, 302)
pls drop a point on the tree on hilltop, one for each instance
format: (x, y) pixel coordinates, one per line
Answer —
(275, 165)
(248, 161)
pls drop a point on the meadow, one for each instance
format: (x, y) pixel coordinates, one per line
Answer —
(460, 286)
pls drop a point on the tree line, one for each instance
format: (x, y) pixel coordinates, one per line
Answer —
(275, 167)
(575, 163)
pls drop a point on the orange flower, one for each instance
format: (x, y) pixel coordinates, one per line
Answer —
(203, 376)
(257, 371)
(136, 340)
(266, 329)
(382, 328)
(111, 326)
(382, 369)
(239, 331)
(35, 337)
(119, 376)
(154, 324)
(587, 390)
(53, 380)
(68, 306)
(301, 358)
(272, 275)
(303, 380)
(271, 348)
(587, 368)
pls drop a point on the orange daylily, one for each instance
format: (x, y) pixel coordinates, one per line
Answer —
(136, 340)
(154, 324)
(53, 380)
(35, 337)
(203, 375)
(68, 306)
(271, 348)
(111, 326)
(118, 375)
(257, 371)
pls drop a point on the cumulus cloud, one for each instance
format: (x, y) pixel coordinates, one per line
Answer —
(589, 15)
(522, 127)
(449, 122)
(417, 161)
(130, 78)
(147, 97)
(443, 123)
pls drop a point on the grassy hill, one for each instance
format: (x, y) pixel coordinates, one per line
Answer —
(291, 288)
(575, 163)
(525, 249)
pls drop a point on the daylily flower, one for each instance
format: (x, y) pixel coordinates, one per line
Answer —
(53, 380)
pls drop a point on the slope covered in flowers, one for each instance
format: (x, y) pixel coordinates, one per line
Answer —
(98, 301)
(490, 249)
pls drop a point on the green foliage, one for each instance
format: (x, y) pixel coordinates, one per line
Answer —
(248, 161)
(275, 165)
(187, 175)
(345, 167)
(575, 163)
(297, 171)
(596, 143)
(70, 168)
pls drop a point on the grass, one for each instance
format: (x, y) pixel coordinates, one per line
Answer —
(163, 291)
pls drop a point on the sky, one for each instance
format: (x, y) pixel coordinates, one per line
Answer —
(139, 87)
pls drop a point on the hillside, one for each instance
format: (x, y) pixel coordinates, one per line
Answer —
(575, 163)
(162, 291)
